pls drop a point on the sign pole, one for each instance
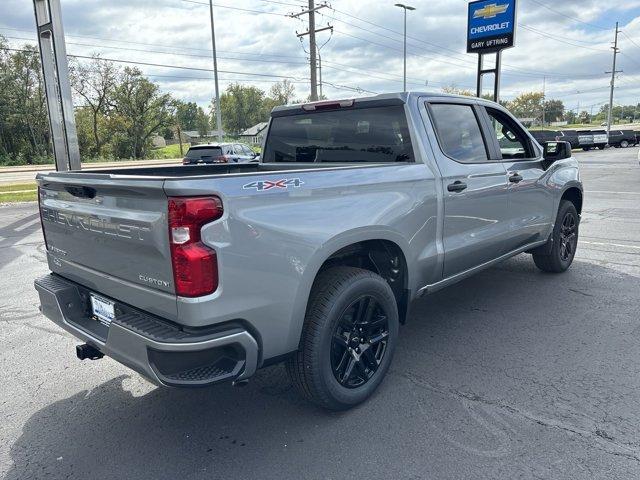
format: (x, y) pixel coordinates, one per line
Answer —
(496, 78)
(479, 77)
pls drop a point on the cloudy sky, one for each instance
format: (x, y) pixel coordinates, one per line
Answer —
(565, 44)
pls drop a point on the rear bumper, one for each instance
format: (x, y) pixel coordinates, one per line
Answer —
(157, 349)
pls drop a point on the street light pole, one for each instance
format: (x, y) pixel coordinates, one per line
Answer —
(405, 8)
(215, 75)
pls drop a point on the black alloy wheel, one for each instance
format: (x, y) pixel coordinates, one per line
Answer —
(568, 237)
(359, 342)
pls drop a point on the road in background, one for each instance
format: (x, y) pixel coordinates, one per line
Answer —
(27, 173)
(510, 374)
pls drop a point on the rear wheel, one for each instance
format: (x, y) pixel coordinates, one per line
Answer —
(586, 149)
(624, 144)
(564, 241)
(348, 339)
(601, 147)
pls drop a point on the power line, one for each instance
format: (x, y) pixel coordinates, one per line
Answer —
(262, 12)
(163, 65)
(129, 42)
(629, 38)
(562, 40)
(438, 46)
(569, 16)
(169, 53)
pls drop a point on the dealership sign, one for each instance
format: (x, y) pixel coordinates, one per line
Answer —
(491, 25)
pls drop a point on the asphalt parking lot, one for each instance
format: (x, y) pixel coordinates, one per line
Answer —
(510, 374)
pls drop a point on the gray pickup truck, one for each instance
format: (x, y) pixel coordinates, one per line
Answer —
(197, 275)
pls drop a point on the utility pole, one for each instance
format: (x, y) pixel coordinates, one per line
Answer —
(320, 73)
(404, 77)
(613, 80)
(544, 97)
(215, 75)
(313, 53)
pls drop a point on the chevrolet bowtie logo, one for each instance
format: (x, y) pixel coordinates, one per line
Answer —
(490, 11)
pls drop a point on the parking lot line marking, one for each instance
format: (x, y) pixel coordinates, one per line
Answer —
(610, 244)
(612, 192)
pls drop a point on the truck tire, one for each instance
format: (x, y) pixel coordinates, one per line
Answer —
(348, 339)
(586, 149)
(624, 144)
(564, 241)
(601, 147)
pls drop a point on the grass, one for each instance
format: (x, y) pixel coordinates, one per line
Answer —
(18, 186)
(18, 192)
(19, 197)
(170, 151)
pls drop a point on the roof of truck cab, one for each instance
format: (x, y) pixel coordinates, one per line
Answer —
(381, 100)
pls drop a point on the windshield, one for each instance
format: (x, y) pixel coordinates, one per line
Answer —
(374, 135)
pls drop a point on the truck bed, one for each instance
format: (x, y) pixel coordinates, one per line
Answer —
(196, 171)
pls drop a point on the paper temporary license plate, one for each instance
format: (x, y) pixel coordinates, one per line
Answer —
(104, 310)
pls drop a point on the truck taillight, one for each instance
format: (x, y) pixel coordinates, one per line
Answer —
(195, 266)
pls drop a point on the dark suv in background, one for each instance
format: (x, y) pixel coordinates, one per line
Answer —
(570, 136)
(542, 136)
(219, 153)
(623, 138)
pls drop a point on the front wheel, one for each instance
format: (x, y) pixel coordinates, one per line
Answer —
(348, 339)
(564, 241)
(624, 144)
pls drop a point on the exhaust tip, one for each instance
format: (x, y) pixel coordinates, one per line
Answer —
(87, 351)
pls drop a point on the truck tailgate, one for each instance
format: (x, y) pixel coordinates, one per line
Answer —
(100, 226)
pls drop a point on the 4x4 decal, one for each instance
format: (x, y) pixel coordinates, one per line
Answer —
(285, 183)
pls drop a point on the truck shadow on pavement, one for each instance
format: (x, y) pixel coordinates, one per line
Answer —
(528, 348)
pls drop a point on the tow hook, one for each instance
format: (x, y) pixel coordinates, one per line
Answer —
(240, 383)
(88, 351)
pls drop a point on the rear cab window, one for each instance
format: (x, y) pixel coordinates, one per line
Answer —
(356, 135)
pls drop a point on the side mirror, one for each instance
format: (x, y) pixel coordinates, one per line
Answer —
(554, 151)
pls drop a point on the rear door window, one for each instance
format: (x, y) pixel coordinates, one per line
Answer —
(458, 132)
(367, 135)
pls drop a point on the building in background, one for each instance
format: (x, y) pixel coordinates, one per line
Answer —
(255, 134)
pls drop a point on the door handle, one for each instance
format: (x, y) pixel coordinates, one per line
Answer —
(515, 178)
(457, 186)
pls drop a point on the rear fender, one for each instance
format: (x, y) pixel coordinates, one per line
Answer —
(326, 251)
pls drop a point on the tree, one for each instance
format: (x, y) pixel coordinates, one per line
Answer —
(94, 82)
(283, 92)
(453, 90)
(187, 114)
(527, 105)
(24, 126)
(241, 107)
(554, 110)
(584, 117)
(141, 112)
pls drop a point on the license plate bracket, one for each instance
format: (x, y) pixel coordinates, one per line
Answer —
(103, 310)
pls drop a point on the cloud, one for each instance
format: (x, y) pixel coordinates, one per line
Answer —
(565, 45)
